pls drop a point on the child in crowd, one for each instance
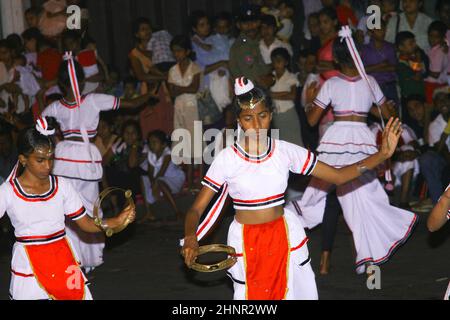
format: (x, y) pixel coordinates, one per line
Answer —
(287, 10)
(380, 61)
(87, 58)
(32, 16)
(271, 7)
(312, 39)
(124, 158)
(163, 178)
(438, 56)
(389, 9)
(268, 41)
(184, 83)
(411, 67)
(283, 93)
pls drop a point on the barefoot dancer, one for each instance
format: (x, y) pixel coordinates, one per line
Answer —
(273, 259)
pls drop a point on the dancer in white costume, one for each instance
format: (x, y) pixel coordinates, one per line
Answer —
(37, 204)
(77, 158)
(378, 228)
(438, 218)
(273, 259)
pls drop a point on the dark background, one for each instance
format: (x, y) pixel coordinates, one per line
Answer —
(111, 21)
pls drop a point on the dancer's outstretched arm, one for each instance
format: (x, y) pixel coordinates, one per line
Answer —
(391, 135)
(190, 247)
(439, 216)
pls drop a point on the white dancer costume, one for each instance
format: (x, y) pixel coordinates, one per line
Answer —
(39, 224)
(81, 162)
(378, 228)
(174, 176)
(254, 183)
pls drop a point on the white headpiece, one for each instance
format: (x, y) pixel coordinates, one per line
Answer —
(42, 127)
(242, 86)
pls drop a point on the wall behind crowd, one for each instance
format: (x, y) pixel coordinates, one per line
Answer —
(110, 23)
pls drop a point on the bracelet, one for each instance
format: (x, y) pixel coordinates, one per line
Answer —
(361, 168)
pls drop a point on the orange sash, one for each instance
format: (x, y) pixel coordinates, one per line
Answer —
(266, 255)
(56, 270)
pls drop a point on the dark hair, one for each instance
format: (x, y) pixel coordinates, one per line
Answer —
(330, 13)
(15, 41)
(108, 118)
(71, 35)
(137, 24)
(132, 123)
(439, 27)
(5, 44)
(64, 78)
(224, 16)
(314, 15)
(342, 54)
(34, 11)
(6, 129)
(289, 4)
(414, 97)
(256, 93)
(183, 42)
(283, 53)
(33, 33)
(161, 136)
(30, 139)
(195, 18)
(269, 20)
(53, 97)
(401, 37)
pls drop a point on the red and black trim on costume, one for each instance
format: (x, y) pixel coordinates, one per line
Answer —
(393, 248)
(246, 204)
(71, 105)
(76, 133)
(255, 159)
(42, 239)
(35, 198)
(210, 183)
(310, 164)
(77, 214)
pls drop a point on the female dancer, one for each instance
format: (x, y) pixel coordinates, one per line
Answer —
(378, 228)
(273, 260)
(44, 266)
(77, 158)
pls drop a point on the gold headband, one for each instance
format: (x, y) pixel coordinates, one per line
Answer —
(46, 153)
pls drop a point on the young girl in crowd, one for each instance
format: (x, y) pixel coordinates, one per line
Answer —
(164, 178)
(283, 93)
(438, 56)
(184, 82)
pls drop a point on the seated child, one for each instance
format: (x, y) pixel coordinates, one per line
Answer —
(164, 177)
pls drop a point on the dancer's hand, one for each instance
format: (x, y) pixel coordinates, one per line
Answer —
(190, 250)
(391, 136)
(127, 216)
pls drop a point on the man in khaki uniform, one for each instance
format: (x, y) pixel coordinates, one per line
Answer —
(245, 56)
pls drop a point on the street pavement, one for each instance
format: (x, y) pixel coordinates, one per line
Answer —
(143, 263)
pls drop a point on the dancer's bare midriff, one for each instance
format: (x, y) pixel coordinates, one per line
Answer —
(351, 118)
(259, 216)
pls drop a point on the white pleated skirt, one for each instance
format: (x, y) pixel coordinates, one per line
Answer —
(378, 228)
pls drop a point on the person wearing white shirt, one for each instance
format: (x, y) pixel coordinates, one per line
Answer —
(412, 20)
(269, 42)
(283, 93)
